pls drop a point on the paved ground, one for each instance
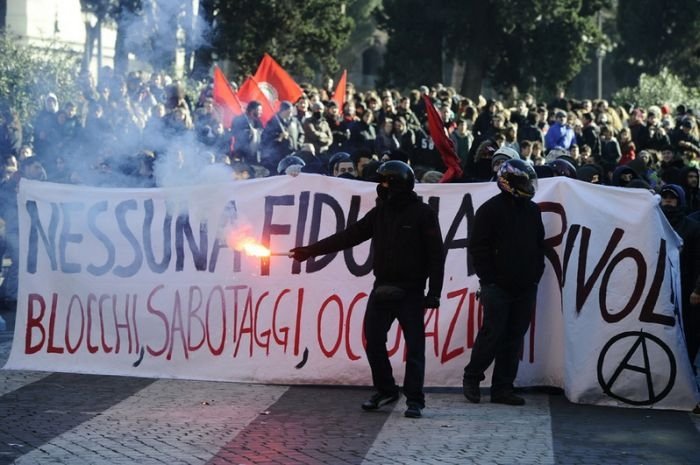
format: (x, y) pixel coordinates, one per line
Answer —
(57, 418)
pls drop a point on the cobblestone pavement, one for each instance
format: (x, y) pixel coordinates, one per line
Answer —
(58, 418)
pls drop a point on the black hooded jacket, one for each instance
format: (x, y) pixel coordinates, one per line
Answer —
(692, 194)
(689, 230)
(406, 239)
(507, 242)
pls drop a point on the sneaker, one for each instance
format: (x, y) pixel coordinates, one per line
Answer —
(471, 391)
(379, 399)
(413, 411)
(507, 399)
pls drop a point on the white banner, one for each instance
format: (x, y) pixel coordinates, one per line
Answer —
(141, 282)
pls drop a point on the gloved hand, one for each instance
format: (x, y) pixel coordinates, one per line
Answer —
(431, 302)
(301, 253)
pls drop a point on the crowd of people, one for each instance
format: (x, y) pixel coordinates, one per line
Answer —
(144, 130)
(134, 130)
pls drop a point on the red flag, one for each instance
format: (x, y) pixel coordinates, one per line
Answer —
(442, 142)
(250, 90)
(275, 83)
(225, 98)
(339, 94)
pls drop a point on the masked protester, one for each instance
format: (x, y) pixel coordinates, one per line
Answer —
(407, 252)
(673, 206)
(507, 247)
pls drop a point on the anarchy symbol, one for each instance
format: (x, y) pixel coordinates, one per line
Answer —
(646, 342)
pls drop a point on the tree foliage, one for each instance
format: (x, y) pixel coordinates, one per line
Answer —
(659, 89)
(146, 28)
(304, 36)
(362, 13)
(27, 73)
(509, 42)
(655, 34)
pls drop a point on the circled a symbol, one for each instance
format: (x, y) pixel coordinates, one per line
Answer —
(657, 387)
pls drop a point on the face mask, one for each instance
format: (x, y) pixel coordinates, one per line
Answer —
(670, 210)
(382, 192)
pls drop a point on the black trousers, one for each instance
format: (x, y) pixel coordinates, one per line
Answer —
(691, 326)
(507, 317)
(379, 316)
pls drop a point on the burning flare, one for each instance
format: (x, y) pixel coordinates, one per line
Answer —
(254, 249)
(241, 240)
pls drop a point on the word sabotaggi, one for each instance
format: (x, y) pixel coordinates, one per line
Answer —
(167, 322)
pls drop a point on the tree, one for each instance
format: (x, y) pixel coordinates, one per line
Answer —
(303, 36)
(655, 34)
(362, 13)
(204, 29)
(29, 72)
(664, 88)
(416, 36)
(148, 29)
(508, 42)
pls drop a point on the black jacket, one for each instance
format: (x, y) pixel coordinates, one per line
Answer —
(406, 239)
(689, 230)
(507, 242)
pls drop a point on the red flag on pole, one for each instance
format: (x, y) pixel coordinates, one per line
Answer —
(225, 98)
(442, 142)
(250, 90)
(339, 94)
(275, 83)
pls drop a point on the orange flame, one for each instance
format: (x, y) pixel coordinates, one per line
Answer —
(241, 240)
(255, 250)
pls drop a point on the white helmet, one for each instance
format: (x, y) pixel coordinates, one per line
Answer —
(504, 154)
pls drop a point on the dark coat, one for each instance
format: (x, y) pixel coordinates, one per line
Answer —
(406, 240)
(506, 242)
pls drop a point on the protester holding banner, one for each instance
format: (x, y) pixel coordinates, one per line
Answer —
(408, 250)
(509, 268)
(673, 205)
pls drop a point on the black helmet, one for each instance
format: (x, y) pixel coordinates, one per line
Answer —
(289, 160)
(517, 178)
(562, 167)
(398, 175)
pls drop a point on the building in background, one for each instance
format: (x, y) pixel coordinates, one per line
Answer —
(61, 23)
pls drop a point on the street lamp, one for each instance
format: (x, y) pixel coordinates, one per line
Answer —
(600, 55)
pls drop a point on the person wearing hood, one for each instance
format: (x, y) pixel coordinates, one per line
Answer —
(673, 206)
(689, 183)
(623, 175)
(509, 272)
(407, 253)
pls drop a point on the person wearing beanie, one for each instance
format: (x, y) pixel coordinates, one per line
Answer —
(590, 173)
(560, 134)
(682, 138)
